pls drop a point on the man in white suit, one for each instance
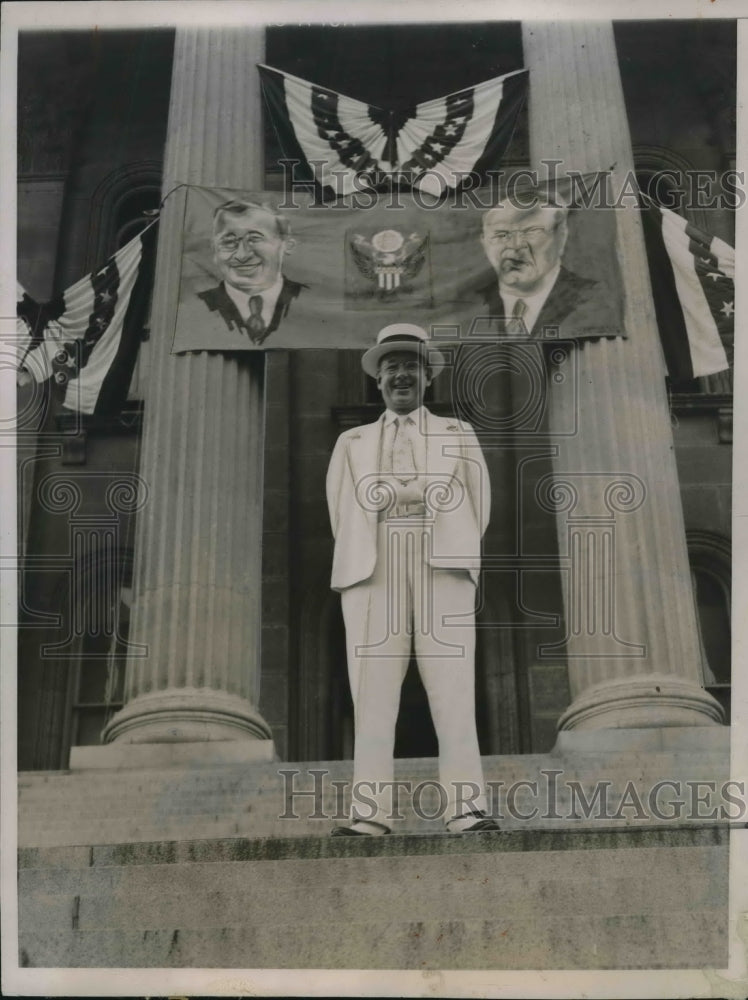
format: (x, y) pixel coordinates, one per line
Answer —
(409, 501)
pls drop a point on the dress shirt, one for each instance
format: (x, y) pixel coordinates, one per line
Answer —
(269, 298)
(533, 300)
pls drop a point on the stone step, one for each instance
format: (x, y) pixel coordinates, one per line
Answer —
(628, 898)
(258, 776)
(249, 800)
(219, 894)
(657, 941)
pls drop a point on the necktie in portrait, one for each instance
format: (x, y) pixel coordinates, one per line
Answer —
(255, 323)
(516, 326)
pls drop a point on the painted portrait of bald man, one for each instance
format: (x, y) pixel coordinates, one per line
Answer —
(530, 292)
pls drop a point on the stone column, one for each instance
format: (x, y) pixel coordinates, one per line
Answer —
(632, 642)
(198, 546)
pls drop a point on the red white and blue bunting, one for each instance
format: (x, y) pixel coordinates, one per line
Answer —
(350, 145)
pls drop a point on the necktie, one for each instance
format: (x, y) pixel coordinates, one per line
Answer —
(516, 325)
(403, 460)
(255, 324)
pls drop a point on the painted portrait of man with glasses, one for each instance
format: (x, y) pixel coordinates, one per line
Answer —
(531, 293)
(250, 242)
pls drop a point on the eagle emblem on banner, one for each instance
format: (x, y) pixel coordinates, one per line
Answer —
(389, 258)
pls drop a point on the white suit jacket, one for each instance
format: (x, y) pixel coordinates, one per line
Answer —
(455, 470)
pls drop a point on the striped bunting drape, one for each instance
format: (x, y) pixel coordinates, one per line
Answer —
(433, 147)
(693, 284)
(88, 337)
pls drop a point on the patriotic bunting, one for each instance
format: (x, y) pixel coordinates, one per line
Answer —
(693, 283)
(350, 145)
(88, 337)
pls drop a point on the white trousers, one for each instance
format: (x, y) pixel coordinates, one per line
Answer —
(406, 603)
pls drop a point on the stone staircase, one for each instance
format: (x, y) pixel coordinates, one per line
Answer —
(534, 899)
(178, 863)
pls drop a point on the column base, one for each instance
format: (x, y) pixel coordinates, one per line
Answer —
(604, 743)
(186, 715)
(642, 702)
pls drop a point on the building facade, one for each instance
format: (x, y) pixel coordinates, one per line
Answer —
(177, 630)
(92, 127)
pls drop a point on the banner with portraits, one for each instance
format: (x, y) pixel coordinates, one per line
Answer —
(261, 270)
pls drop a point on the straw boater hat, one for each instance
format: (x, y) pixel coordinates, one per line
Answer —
(403, 337)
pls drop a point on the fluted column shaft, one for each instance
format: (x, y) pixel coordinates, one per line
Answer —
(198, 546)
(632, 641)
